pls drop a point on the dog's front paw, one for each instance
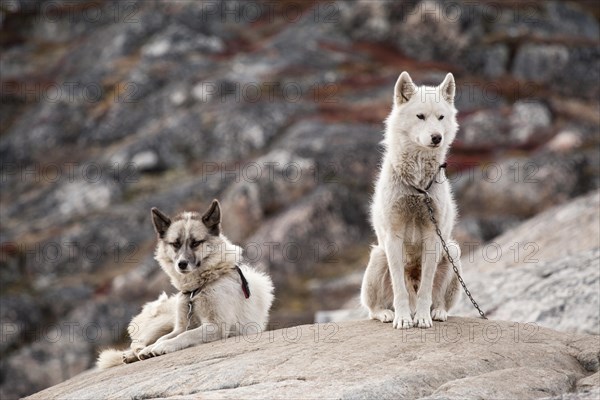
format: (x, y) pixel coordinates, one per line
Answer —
(403, 321)
(423, 320)
(437, 314)
(164, 347)
(145, 353)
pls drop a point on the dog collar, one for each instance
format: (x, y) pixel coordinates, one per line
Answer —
(245, 286)
(424, 191)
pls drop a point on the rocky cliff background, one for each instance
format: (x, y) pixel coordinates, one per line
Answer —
(277, 109)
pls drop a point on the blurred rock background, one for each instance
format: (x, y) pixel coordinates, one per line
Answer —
(277, 109)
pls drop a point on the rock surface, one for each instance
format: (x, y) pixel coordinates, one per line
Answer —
(546, 270)
(462, 358)
(566, 230)
(563, 294)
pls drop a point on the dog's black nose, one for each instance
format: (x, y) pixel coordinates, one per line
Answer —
(436, 138)
(182, 264)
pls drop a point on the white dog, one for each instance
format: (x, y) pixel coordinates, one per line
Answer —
(219, 296)
(408, 270)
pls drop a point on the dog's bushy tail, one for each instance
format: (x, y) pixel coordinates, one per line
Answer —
(110, 358)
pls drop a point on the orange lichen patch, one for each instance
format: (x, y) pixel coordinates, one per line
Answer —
(273, 18)
(369, 114)
(101, 107)
(114, 87)
(459, 147)
(8, 249)
(289, 11)
(590, 6)
(236, 46)
(528, 37)
(29, 90)
(392, 57)
(461, 161)
(124, 65)
(506, 86)
(515, 89)
(575, 109)
(365, 76)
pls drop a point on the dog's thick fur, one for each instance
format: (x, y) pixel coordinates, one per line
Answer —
(408, 270)
(195, 255)
(156, 320)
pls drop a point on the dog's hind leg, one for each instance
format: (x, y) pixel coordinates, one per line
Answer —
(446, 288)
(441, 282)
(453, 293)
(454, 290)
(376, 291)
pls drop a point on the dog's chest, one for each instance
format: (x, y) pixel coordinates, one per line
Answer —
(409, 216)
(410, 222)
(192, 311)
(415, 170)
(406, 206)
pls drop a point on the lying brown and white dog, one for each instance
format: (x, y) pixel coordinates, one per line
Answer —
(219, 295)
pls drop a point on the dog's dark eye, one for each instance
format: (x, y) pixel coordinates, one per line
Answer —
(176, 245)
(421, 116)
(441, 117)
(197, 243)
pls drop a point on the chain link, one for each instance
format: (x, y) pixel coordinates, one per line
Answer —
(428, 203)
(190, 308)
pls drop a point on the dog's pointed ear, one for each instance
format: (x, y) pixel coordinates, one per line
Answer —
(404, 89)
(212, 218)
(161, 222)
(448, 88)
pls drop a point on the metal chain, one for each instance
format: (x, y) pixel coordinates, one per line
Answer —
(190, 308)
(428, 203)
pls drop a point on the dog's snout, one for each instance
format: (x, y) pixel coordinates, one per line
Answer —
(182, 264)
(436, 138)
